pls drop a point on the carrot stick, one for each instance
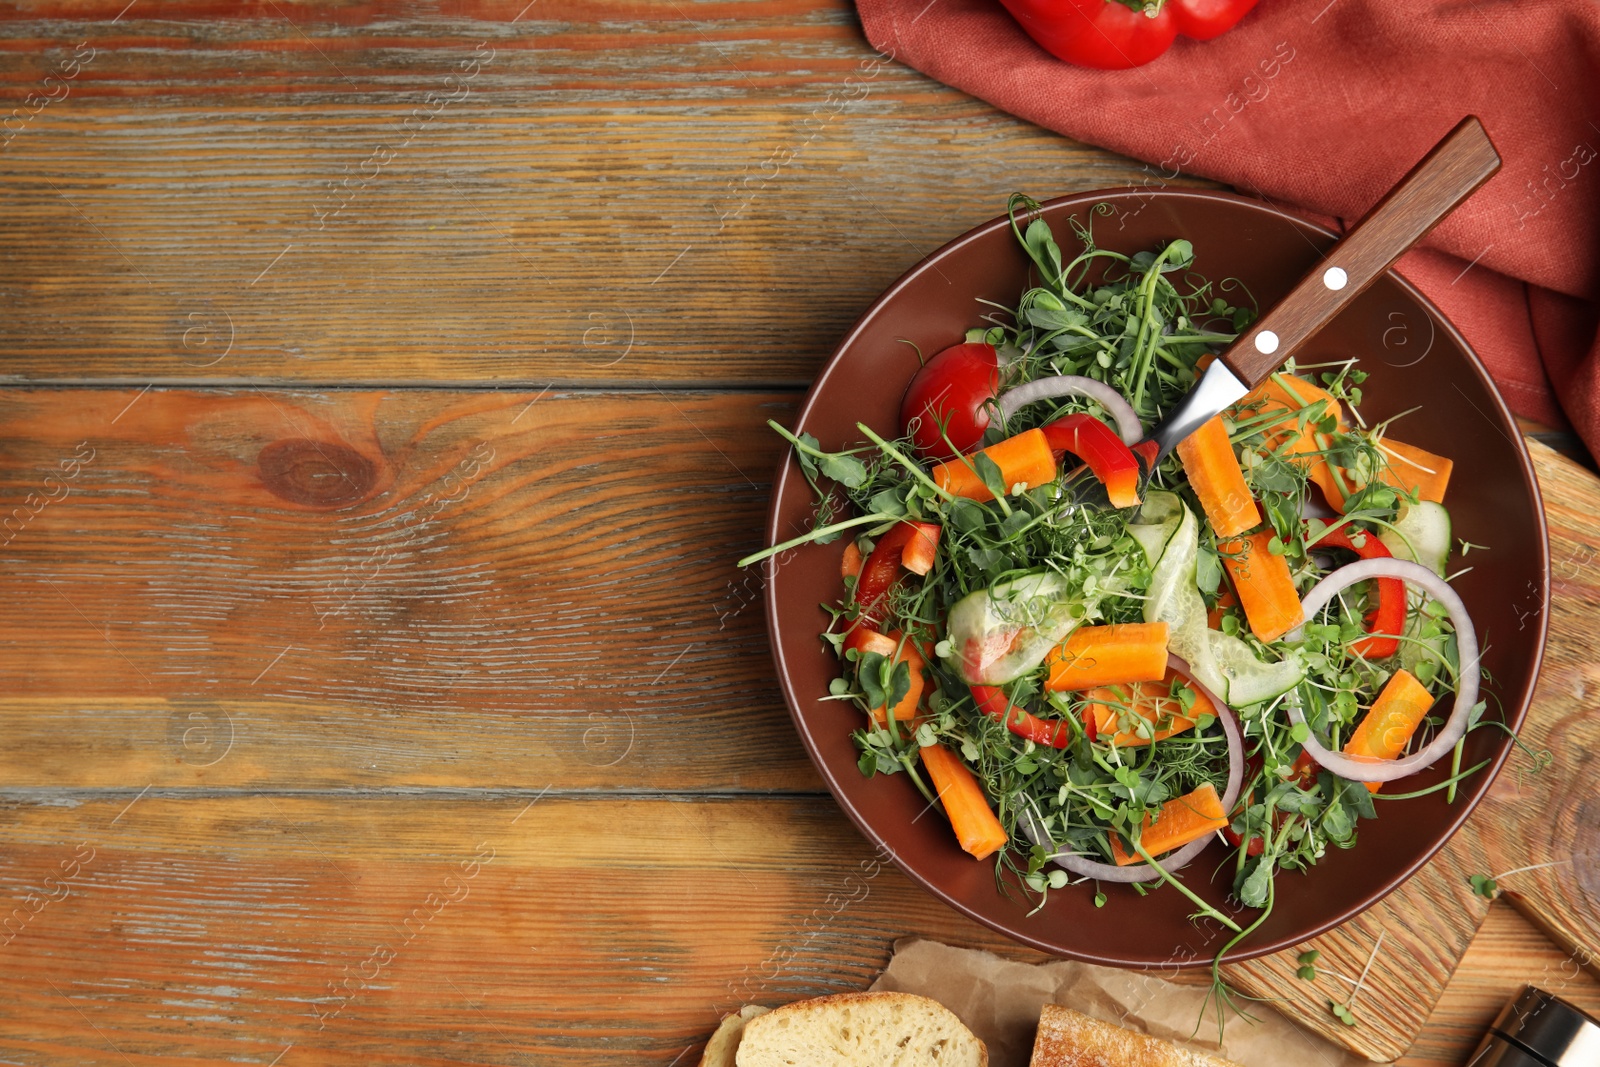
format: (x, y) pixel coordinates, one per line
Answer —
(1408, 467)
(1412, 468)
(1226, 600)
(1263, 584)
(850, 565)
(1025, 459)
(864, 640)
(974, 822)
(1395, 716)
(1214, 472)
(1152, 701)
(1109, 655)
(1334, 488)
(920, 552)
(1182, 820)
(1288, 394)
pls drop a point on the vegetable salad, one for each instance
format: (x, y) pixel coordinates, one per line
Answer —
(1097, 670)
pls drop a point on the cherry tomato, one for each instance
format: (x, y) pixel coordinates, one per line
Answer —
(1257, 845)
(947, 398)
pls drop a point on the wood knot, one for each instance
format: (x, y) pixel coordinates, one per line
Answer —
(319, 474)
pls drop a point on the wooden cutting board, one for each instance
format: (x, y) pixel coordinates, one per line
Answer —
(1529, 819)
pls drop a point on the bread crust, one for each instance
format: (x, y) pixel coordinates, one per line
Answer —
(724, 1044)
(1070, 1038)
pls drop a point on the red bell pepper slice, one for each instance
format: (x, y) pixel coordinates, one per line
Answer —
(1098, 445)
(1388, 619)
(904, 545)
(993, 702)
(1252, 769)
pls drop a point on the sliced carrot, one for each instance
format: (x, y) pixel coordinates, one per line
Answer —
(1264, 585)
(1411, 468)
(905, 712)
(1224, 601)
(974, 822)
(1394, 718)
(865, 639)
(1214, 472)
(1405, 467)
(1290, 393)
(1152, 701)
(1335, 482)
(1408, 467)
(1109, 655)
(1182, 820)
(850, 565)
(1025, 459)
(918, 555)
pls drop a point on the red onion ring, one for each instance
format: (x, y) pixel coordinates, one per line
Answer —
(1144, 872)
(1370, 768)
(1128, 426)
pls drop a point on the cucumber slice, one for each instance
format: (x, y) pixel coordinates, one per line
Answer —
(1422, 535)
(1225, 665)
(1001, 633)
(1251, 681)
(1158, 523)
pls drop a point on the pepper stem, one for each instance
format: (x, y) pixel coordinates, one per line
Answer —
(1147, 8)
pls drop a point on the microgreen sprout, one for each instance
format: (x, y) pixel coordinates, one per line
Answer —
(1341, 1008)
(1488, 887)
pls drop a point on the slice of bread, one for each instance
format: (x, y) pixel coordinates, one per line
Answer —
(1071, 1039)
(860, 1030)
(725, 1042)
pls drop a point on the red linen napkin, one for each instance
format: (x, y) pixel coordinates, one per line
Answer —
(1321, 106)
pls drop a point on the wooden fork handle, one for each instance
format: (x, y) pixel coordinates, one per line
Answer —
(1450, 173)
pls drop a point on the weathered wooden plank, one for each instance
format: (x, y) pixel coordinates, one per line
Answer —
(418, 930)
(520, 930)
(616, 192)
(387, 589)
(1541, 832)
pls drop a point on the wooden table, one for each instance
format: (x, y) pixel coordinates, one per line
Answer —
(386, 387)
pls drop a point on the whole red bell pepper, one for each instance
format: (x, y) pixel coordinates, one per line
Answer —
(1388, 619)
(993, 702)
(1098, 445)
(1113, 35)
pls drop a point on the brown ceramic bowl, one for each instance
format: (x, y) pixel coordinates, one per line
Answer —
(1413, 357)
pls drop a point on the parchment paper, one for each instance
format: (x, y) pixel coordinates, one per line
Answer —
(1000, 1000)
